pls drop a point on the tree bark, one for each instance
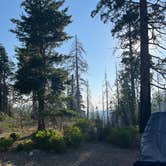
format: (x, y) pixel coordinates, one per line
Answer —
(77, 80)
(145, 94)
(87, 99)
(41, 116)
(0, 96)
(133, 98)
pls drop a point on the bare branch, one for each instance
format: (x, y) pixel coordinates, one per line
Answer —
(157, 86)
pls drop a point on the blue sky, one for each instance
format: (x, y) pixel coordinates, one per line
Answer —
(94, 35)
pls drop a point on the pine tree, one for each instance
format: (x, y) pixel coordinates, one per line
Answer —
(78, 66)
(145, 91)
(149, 22)
(87, 99)
(71, 101)
(41, 30)
(5, 75)
(107, 96)
(124, 16)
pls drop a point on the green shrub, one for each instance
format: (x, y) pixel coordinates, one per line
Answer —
(5, 144)
(87, 128)
(57, 143)
(14, 136)
(106, 132)
(20, 147)
(3, 116)
(41, 139)
(122, 137)
(27, 145)
(99, 135)
(136, 136)
(49, 140)
(73, 136)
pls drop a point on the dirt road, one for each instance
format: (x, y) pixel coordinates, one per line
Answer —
(87, 155)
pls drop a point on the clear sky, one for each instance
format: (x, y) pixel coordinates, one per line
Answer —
(94, 35)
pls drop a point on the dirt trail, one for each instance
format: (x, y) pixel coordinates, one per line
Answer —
(87, 155)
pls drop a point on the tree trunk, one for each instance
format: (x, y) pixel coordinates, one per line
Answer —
(41, 116)
(133, 99)
(0, 97)
(118, 98)
(87, 99)
(106, 97)
(5, 96)
(77, 80)
(103, 106)
(145, 94)
(73, 107)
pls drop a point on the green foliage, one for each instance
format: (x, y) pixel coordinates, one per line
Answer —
(41, 138)
(77, 65)
(63, 113)
(20, 147)
(73, 136)
(5, 143)
(14, 136)
(70, 113)
(57, 143)
(27, 145)
(41, 29)
(5, 75)
(123, 137)
(87, 128)
(98, 132)
(3, 116)
(49, 140)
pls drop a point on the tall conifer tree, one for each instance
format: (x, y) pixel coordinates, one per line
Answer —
(5, 73)
(40, 29)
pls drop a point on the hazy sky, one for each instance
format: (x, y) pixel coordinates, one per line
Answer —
(94, 35)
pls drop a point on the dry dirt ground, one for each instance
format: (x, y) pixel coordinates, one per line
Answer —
(87, 155)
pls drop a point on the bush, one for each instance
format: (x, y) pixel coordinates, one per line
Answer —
(136, 136)
(99, 135)
(122, 137)
(14, 136)
(5, 144)
(20, 147)
(57, 143)
(41, 139)
(3, 116)
(73, 136)
(27, 145)
(87, 128)
(49, 140)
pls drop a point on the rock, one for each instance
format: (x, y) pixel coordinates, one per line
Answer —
(31, 153)
(8, 163)
(34, 152)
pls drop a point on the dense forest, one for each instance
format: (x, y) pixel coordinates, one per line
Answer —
(45, 96)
